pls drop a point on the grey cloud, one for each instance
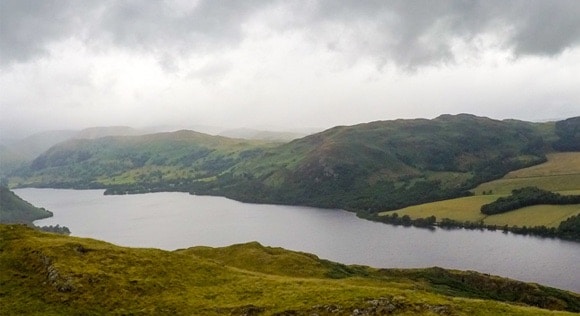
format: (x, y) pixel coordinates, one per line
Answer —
(28, 26)
(157, 26)
(413, 33)
(160, 27)
(409, 33)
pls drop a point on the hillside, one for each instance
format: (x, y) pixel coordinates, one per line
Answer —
(368, 168)
(51, 274)
(13, 209)
(19, 152)
(560, 174)
(387, 164)
(170, 161)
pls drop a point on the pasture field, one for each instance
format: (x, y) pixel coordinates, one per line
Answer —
(461, 209)
(537, 215)
(561, 174)
(557, 183)
(557, 164)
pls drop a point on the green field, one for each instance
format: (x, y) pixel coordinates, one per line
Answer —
(462, 209)
(537, 215)
(48, 274)
(561, 174)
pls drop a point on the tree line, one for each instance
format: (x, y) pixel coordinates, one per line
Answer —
(568, 229)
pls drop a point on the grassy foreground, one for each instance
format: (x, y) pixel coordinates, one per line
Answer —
(49, 274)
(561, 174)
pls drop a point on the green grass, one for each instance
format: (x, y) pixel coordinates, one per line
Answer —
(47, 274)
(537, 215)
(561, 174)
(557, 164)
(461, 209)
(555, 183)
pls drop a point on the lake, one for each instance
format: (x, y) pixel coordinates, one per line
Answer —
(179, 220)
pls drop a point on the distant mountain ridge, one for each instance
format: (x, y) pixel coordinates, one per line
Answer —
(367, 167)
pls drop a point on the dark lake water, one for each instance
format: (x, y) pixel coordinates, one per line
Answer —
(179, 220)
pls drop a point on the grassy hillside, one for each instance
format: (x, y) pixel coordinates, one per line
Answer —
(13, 209)
(17, 153)
(386, 164)
(561, 174)
(47, 274)
(168, 160)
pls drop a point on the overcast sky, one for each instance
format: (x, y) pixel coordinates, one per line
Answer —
(284, 64)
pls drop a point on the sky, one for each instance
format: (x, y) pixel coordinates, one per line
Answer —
(283, 65)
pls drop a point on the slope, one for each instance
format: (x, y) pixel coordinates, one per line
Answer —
(13, 209)
(48, 274)
(387, 164)
(561, 174)
(168, 161)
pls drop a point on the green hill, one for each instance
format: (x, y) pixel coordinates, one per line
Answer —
(49, 274)
(387, 164)
(372, 167)
(169, 161)
(13, 209)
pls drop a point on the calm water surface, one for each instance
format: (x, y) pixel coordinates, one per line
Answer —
(179, 220)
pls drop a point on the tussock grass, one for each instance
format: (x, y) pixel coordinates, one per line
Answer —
(48, 274)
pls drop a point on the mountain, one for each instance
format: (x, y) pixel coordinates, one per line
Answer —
(15, 154)
(33, 145)
(366, 168)
(18, 152)
(145, 161)
(13, 209)
(387, 164)
(52, 274)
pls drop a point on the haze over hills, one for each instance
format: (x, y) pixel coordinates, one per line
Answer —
(250, 133)
(14, 153)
